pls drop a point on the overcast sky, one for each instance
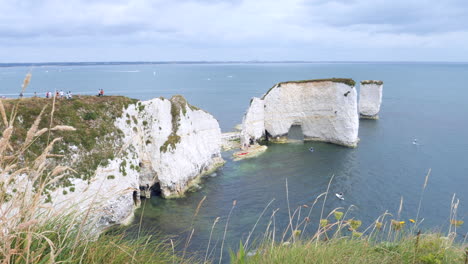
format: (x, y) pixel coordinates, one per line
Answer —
(167, 30)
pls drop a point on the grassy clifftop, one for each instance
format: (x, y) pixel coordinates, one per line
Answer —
(95, 139)
(349, 82)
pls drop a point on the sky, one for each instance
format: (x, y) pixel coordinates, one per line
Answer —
(233, 30)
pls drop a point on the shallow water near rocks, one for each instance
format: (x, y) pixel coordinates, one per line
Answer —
(426, 101)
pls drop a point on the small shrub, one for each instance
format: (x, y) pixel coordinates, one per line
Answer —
(90, 116)
(323, 222)
(338, 215)
(355, 224)
(122, 169)
(110, 177)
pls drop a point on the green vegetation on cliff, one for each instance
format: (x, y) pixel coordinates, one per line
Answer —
(178, 106)
(95, 139)
(372, 82)
(425, 249)
(347, 81)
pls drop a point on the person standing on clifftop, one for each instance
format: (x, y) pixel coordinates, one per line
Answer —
(100, 92)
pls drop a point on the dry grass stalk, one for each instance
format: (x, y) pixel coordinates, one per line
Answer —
(234, 203)
(59, 169)
(426, 180)
(63, 128)
(52, 115)
(3, 113)
(41, 132)
(40, 161)
(209, 240)
(5, 140)
(26, 82)
(33, 129)
(401, 207)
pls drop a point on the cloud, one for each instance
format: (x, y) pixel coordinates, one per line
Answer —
(233, 29)
(403, 16)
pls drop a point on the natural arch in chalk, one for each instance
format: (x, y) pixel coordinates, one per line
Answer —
(325, 108)
(295, 132)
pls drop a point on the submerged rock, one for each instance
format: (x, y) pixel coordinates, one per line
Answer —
(250, 152)
(370, 99)
(230, 140)
(325, 109)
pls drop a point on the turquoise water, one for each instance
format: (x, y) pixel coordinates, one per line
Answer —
(423, 101)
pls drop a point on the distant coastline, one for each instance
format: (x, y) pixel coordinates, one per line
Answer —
(98, 63)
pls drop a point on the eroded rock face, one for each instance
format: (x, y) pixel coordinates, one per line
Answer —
(174, 142)
(165, 142)
(326, 110)
(370, 99)
(253, 123)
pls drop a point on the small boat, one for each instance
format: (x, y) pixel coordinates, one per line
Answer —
(339, 196)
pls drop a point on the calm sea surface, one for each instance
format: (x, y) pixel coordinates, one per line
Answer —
(424, 101)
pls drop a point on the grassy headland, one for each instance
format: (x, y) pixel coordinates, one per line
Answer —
(95, 134)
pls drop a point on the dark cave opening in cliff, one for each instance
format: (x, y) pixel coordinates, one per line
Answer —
(150, 191)
(156, 189)
(295, 133)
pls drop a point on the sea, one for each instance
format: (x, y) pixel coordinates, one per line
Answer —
(386, 173)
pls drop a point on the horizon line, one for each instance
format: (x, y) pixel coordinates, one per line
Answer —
(89, 63)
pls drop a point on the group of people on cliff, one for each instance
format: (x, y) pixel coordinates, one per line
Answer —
(59, 94)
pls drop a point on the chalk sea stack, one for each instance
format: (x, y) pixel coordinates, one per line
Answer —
(370, 99)
(325, 109)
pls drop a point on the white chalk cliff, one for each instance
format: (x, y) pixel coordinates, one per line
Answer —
(176, 143)
(370, 99)
(166, 143)
(253, 123)
(325, 109)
